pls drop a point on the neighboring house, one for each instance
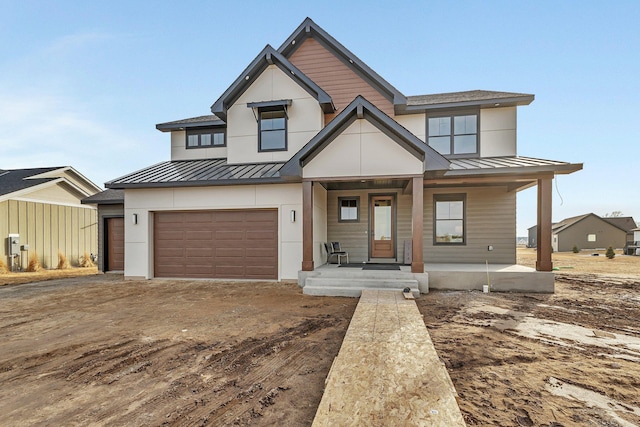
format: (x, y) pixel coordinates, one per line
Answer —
(110, 205)
(633, 248)
(589, 231)
(42, 207)
(309, 145)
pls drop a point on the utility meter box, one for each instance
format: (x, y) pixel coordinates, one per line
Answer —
(14, 244)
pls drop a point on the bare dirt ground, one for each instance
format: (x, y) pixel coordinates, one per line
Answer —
(98, 350)
(568, 359)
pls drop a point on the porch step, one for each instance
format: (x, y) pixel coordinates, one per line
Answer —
(353, 287)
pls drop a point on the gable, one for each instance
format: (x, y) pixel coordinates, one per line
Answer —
(304, 118)
(60, 193)
(362, 150)
(341, 82)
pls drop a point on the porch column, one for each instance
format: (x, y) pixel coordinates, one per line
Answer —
(544, 262)
(307, 226)
(417, 260)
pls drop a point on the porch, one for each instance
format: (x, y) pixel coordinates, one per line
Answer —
(334, 280)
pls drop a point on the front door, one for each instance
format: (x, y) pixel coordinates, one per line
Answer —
(382, 227)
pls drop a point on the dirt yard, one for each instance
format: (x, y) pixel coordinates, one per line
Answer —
(102, 351)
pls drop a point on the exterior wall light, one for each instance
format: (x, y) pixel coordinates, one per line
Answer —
(292, 215)
(134, 218)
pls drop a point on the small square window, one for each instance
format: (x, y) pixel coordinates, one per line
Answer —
(591, 237)
(348, 209)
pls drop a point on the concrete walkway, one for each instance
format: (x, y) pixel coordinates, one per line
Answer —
(387, 372)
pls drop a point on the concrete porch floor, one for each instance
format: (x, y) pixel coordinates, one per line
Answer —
(446, 276)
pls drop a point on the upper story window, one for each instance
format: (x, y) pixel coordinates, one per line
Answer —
(272, 123)
(453, 134)
(272, 129)
(206, 138)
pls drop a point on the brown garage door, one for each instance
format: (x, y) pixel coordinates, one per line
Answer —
(233, 244)
(115, 244)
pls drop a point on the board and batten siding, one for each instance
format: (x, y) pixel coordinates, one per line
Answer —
(104, 212)
(47, 229)
(336, 78)
(354, 236)
(490, 220)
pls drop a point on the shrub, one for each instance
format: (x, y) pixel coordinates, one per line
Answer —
(3, 267)
(34, 263)
(610, 253)
(63, 263)
(85, 261)
(575, 249)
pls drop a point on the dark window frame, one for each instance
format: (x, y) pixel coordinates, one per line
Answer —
(357, 200)
(454, 197)
(205, 131)
(278, 108)
(452, 134)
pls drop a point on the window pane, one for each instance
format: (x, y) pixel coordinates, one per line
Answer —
(464, 144)
(464, 124)
(449, 231)
(348, 213)
(205, 139)
(449, 210)
(442, 144)
(192, 141)
(439, 126)
(218, 139)
(272, 140)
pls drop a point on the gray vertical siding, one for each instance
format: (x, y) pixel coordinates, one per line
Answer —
(49, 229)
(104, 212)
(490, 220)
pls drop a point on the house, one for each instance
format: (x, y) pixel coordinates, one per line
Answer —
(310, 145)
(41, 213)
(589, 231)
(110, 205)
(633, 248)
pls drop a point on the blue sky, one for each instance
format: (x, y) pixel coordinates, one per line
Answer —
(85, 83)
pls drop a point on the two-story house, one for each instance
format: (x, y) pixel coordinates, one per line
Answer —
(309, 145)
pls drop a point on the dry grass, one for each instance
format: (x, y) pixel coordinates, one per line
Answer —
(85, 261)
(34, 263)
(63, 262)
(3, 267)
(584, 262)
(16, 278)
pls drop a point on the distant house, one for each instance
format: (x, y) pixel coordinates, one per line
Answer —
(110, 205)
(41, 213)
(588, 231)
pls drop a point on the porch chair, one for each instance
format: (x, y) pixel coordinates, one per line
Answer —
(334, 249)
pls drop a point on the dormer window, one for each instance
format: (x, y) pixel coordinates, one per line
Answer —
(272, 124)
(206, 138)
(454, 135)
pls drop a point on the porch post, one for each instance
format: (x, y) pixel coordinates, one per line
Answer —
(544, 262)
(307, 226)
(417, 260)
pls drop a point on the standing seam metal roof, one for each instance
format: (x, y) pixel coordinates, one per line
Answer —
(199, 172)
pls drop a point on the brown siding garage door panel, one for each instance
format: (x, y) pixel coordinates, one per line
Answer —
(234, 244)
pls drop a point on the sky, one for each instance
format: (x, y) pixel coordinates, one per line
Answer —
(84, 83)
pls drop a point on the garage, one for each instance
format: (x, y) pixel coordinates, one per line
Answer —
(225, 244)
(114, 229)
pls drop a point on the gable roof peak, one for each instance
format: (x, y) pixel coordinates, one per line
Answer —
(268, 56)
(308, 28)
